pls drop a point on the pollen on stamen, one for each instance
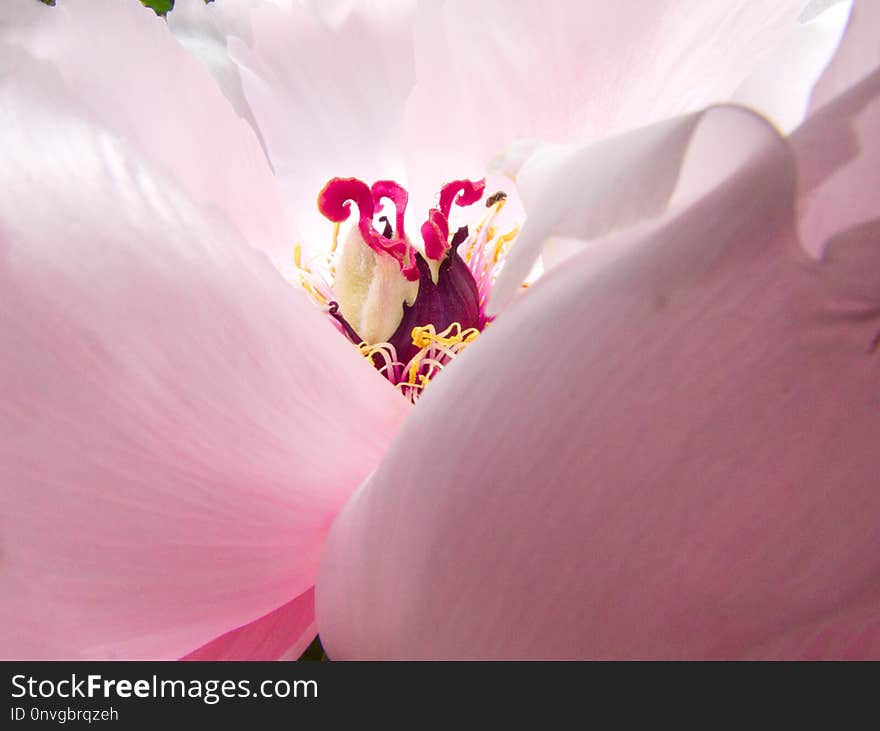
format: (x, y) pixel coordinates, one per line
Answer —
(436, 351)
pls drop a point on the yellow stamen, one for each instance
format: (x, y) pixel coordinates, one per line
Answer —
(413, 372)
(369, 351)
(435, 351)
(423, 337)
(297, 259)
(335, 241)
(319, 298)
(493, 212)
(502, 242)
(307, 278)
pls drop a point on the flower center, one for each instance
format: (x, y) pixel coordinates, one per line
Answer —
(410, 312)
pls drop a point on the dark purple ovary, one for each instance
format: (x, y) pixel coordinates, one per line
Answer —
(453, 299)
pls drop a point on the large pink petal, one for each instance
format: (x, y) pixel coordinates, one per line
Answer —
(327, 83)
(491, 73)
(120, 60)
(666, 448)
(282, 634)
(178, 426)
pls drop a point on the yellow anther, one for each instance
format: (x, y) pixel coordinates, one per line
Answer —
(297, 259)
(320, 298)
(502, 242)
(493, 211)
(335, 241)
(414, 372)
(424, 337)
(368, 351)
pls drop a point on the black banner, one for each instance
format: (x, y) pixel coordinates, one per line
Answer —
(132, 694)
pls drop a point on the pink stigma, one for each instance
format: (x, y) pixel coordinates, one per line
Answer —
(335, 200)
(435, 231)
(468, 194)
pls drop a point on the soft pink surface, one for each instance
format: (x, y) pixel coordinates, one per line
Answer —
(179, 425)
(494, 72)
(18, 14)
(283, 634)
(667, 448)
(202, 28)
(782, 82)
(121, 63)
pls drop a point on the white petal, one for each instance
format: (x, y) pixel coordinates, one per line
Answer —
(583, 192)
(782, 84)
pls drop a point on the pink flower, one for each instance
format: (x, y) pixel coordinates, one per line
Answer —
(664, 448)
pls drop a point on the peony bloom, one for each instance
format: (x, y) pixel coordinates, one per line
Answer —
(663, 448)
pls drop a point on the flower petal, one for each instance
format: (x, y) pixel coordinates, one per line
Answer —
(669, 452)
(837, 151)
(122, 63)
(281, 635)
(839, 163)
(857, 56)
(202, 29)
(586, 191)
(327, 84)
(178, 425)
(852, 634)
(782, 82)
(493, 73)
(18, 14)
